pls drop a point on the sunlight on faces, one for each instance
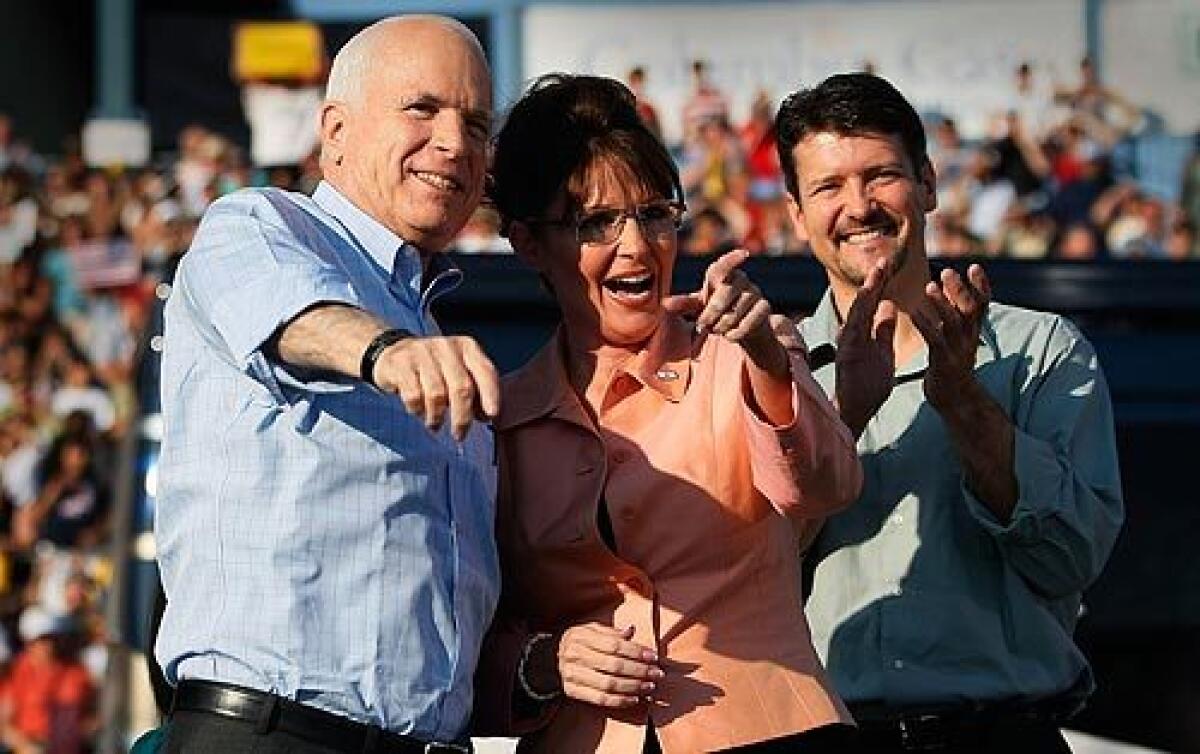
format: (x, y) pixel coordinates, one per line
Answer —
(414, 140)
(610, 294)
(861, 200)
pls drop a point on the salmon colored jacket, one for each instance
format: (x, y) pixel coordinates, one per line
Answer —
(708, 504)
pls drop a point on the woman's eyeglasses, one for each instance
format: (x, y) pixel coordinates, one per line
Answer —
(602, 227)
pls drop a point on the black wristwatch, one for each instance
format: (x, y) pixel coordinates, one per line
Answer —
(366, 367)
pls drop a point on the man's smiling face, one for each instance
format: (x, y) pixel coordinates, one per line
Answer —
(860, 200)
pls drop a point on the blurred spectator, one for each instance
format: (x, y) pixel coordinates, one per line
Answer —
(714, 173)
(481, 235)
(71, 509)
(1020, 157)
(282, 111)
(47, 699)
(1100, 111)
(6, 140)
(62, 194)
(949, 157)
(14, 152)
(58, 268)
(1032, 101)
(103, 206)
(705, 104)
(79, 391)
(1134, 224)
(981, 198)
(22, 454)
(310, 173)
(1079, 243)
(707, 234)
(636, 79)
(18, 214)
(196, 168)
(951, 239)
(1082, 175)
(283, 120)
(1189, 198)
(1181, 240)
(769, 229)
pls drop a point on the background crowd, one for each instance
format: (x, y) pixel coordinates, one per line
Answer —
(1072, 173)
(83, 252)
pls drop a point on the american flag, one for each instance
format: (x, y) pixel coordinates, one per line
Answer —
(106, 264)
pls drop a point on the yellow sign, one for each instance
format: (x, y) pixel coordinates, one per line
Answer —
(277, 50)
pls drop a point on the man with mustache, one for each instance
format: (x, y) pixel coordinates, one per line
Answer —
(326, 498)
(944, 599)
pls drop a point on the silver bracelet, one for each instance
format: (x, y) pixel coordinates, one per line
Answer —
(526, 651)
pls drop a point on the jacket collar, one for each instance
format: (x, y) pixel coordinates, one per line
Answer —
(541, 388)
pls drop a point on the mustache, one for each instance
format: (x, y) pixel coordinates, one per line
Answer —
(875, 218)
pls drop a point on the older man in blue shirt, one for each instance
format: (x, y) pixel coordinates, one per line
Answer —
(326, 497)
(944, 599)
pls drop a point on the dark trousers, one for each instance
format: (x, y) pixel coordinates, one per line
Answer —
(1023, 738)
(828, 739)
(204, 733)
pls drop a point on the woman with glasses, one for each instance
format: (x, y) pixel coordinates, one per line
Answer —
(656, 471)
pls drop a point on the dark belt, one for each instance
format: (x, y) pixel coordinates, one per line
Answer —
(931, 729)
(268, 712)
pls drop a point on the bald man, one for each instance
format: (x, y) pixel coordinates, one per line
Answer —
(326, 490)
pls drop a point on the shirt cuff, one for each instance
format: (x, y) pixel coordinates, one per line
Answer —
(1039, 492)
(783, 458)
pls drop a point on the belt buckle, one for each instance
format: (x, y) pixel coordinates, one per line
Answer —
(923, 733)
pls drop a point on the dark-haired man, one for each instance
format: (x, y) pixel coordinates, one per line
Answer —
(944, 600)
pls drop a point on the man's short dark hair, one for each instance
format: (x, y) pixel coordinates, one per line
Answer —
(846, 104)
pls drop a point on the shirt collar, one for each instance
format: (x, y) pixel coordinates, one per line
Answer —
(385, 247)
(826, 325)
(400, 259)
(664, 366)
(540, 389)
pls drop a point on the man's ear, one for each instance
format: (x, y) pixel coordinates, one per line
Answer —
(928, 185)
(796, 215)
(334, 118)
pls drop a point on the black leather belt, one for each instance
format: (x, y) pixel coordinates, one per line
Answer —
(268, 712)
(931, 729)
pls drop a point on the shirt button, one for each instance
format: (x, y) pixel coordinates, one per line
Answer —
(898, 664)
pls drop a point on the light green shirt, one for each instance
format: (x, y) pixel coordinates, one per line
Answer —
(920, 595)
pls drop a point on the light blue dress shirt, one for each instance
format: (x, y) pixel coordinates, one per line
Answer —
(315, 540)
(920, 595)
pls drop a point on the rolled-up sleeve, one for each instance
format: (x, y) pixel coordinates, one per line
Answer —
(809, 468)
(247, 273)
(1069, 508)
